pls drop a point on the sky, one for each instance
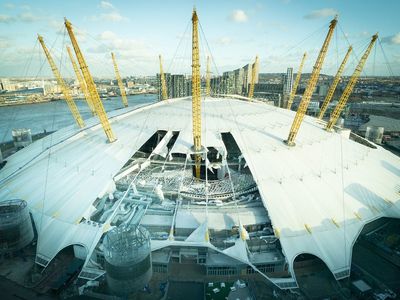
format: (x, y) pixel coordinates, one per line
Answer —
(232, 32)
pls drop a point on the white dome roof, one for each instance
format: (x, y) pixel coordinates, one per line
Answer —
(318, 194)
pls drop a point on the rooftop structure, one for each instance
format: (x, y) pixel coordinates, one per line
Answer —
(259, 195)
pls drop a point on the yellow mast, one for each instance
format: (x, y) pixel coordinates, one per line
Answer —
(120, 84)
(335, 82)
(94, 95)
(301, 111)
(254, 70)
(164, 94)
(350, 85)
(196, 103)
(81, 81)
(296, 82)
(65, 90)
(208, 77)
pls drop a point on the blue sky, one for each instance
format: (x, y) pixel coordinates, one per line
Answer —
(279, 31)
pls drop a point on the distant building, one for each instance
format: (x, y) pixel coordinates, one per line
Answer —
(6, 85)
(233, 82)
(178, 85)
(167, 77)
(269, 91)
(228, 86)
(288, 81)
(188, 86)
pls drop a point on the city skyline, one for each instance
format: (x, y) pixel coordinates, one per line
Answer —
(279, 32)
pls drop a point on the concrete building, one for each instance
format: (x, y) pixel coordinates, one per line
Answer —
(233, 82)
(178, 85)
(168, 83)
(288, 81)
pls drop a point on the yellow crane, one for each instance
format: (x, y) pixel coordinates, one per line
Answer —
(120, 84)
(350, 85)
(64, 88)
(305, 101)
(296, 82)
(196, 101)
(164, 94)
(208, 77)
(254, 71)
(94, 95)
(335, 82)
(81, 81)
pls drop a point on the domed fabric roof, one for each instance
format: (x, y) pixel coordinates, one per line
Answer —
(318, 194)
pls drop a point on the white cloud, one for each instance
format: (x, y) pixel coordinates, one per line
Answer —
(110, 17)
(25, 7)
(113, 17)
(126, 48)
(106, 5)
(9, 5)
(238, 16)
(225, 40)
(28, 17)
(4, 43)
(321, 13)
(392, 39)
(6, 19)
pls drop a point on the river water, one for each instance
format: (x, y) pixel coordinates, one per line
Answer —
(52, 116)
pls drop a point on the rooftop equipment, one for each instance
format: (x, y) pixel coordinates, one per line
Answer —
(16, 230)
(22, 137)
(127, 255)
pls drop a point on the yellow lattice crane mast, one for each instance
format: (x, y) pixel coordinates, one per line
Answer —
(335, 82)
(305, 101)
(94, 95)
(64, 88)
(196, 101)
(164, 94)
(350, 85)
(208, 77)
(254, 71)
(120, 84)
(81, 81)
(296, 82)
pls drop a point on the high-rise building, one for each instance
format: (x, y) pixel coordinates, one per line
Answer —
(239, 77)
(167, 77)
(188, 86)
(288, 82)
(228, 79)
(233, 82)
(178, 85)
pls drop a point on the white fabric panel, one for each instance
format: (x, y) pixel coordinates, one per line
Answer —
(199, 235)
(162, 149)
(184, 142)
(238, 251)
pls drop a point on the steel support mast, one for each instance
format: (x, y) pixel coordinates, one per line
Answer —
(335, 82)
(350, 85)
(81, 81)
(305, 101)
(296, 82)
(208, 77)
(94, 95)
(120, 84)
(164, 94)
(64, 88)
(196, 101)
(254, 70)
